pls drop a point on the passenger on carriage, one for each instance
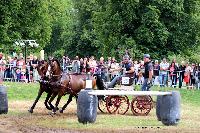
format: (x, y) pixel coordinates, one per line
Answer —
(148, 73)
(128, 71)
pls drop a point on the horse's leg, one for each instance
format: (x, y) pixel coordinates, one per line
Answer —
(36, 100)
(51, 99)
(68, 101)
(46, 101)
(56, 105)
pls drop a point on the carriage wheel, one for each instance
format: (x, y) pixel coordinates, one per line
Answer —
(141, 105)
(117, 104)
(102, 104)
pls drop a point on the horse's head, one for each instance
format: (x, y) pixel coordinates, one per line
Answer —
(55, 67)
(42, 68)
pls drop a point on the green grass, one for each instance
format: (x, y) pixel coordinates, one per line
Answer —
(22, 91)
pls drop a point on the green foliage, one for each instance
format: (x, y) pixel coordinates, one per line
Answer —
(104, 27)
(24, 19)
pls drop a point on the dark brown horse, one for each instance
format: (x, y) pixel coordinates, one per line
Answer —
(42, 69)
(69, 84)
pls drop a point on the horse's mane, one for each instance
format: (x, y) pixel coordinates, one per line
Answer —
(56, 60)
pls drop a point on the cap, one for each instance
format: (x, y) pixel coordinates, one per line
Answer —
(126, 57)
(146, 56)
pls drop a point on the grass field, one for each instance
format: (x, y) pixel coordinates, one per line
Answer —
(21, 97)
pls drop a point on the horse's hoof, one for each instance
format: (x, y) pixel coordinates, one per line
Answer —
(61, 111)
(30, 111)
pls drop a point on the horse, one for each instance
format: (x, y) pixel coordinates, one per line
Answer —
(42, 69)
(70, 84)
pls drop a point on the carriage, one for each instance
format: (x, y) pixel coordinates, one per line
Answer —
(116, 104)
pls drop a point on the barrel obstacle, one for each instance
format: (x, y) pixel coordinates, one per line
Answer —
(3, 100)
(167, 105)
(87, 105)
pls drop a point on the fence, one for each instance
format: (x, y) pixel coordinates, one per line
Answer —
(10, 72)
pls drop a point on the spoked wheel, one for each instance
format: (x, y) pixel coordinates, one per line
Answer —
(141, 105)
(117, 104)
(102, 104)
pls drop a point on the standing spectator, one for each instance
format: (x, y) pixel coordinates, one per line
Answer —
(86, 65)
(34, 65)
(173, 74)
(28, 73)
(187, 75)
(31, 67)
(2, 67)
(148, 73)
(8, 69)
(14, 68)
(198, 75)
(64, 63)
(108, 63)
(92, 64)
(101, 69)
(192, 75)
(156, 68)
(181, 73)
(76, 65)
(21, 69)
(81, 65)
(164, 66)
(136, 68)
(114, 69)
(141, 73)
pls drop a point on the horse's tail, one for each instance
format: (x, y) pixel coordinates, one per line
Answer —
(99, 82)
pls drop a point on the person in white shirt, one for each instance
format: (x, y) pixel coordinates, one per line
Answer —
(164, 67)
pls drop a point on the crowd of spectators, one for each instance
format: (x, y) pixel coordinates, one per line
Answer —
(16, 69)
(165, 74)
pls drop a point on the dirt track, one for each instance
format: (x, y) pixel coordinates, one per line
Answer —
(18, 120)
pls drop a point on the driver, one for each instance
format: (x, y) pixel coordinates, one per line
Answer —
(128, 71)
